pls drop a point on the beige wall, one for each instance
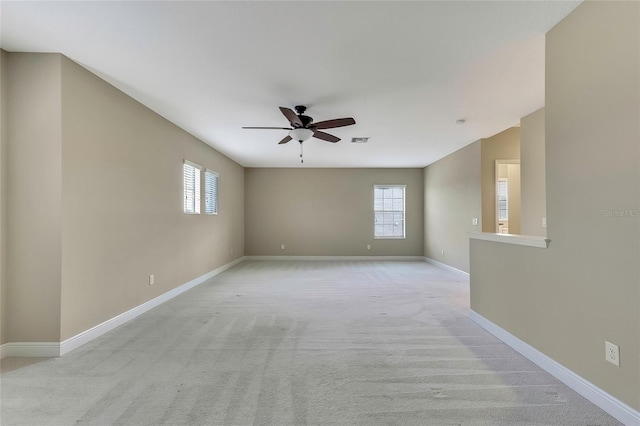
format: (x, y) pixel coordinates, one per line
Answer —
(452, 198)
(326, 212)
(503, 146)
(532, 169)
(109, 172)
(122, 203)
(3, 195)
(33, 197)
(584, 289)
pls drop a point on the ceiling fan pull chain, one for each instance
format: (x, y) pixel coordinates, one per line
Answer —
(301, 159)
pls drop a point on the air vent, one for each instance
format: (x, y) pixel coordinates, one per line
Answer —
(359, 140)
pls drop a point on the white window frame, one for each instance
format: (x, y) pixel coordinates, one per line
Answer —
(377, 211)
(211, 193)
(191, 176)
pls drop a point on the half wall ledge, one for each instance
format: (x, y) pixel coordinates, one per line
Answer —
(521, 240)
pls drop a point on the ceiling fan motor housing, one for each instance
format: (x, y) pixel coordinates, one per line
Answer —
(305, 119)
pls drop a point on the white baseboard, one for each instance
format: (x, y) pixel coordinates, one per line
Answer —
(30, 349)
(616, 408)
(399, 258)
(100, 329)
(445, 266)
(55, 349)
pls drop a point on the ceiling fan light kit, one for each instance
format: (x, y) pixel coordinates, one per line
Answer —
(301, 134)
(303, 128)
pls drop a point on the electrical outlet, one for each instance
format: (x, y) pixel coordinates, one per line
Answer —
(474, 221)
(612, 353)
(443, 252)
(544, 222)
(152, 279)
(368, 246)
(281, 246)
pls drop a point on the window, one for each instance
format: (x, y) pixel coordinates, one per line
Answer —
(210, 192)
(191, 174)
(503, 204)
(388, 208)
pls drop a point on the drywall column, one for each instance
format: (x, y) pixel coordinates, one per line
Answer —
(33, 197)
(566, 300)
(593, 174)
(532, 169)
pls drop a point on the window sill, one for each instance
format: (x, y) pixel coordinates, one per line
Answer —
(521, 240)
(389, 238)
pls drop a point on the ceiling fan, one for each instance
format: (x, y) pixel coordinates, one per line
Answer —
(303, 127)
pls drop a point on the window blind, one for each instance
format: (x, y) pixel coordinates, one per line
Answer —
(210, 192)
(191, 177)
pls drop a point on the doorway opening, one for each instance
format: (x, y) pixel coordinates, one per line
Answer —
(507, 183)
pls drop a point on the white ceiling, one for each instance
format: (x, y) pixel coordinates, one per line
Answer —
(406, 71)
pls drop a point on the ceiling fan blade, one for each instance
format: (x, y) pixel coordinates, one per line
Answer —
(325, 136)
(285, 140)
(338, 122)
(278, 128)
(291, 116)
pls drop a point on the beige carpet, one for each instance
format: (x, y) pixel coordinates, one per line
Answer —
(283, 343)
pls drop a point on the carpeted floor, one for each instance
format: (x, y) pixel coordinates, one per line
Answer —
(294, 343)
